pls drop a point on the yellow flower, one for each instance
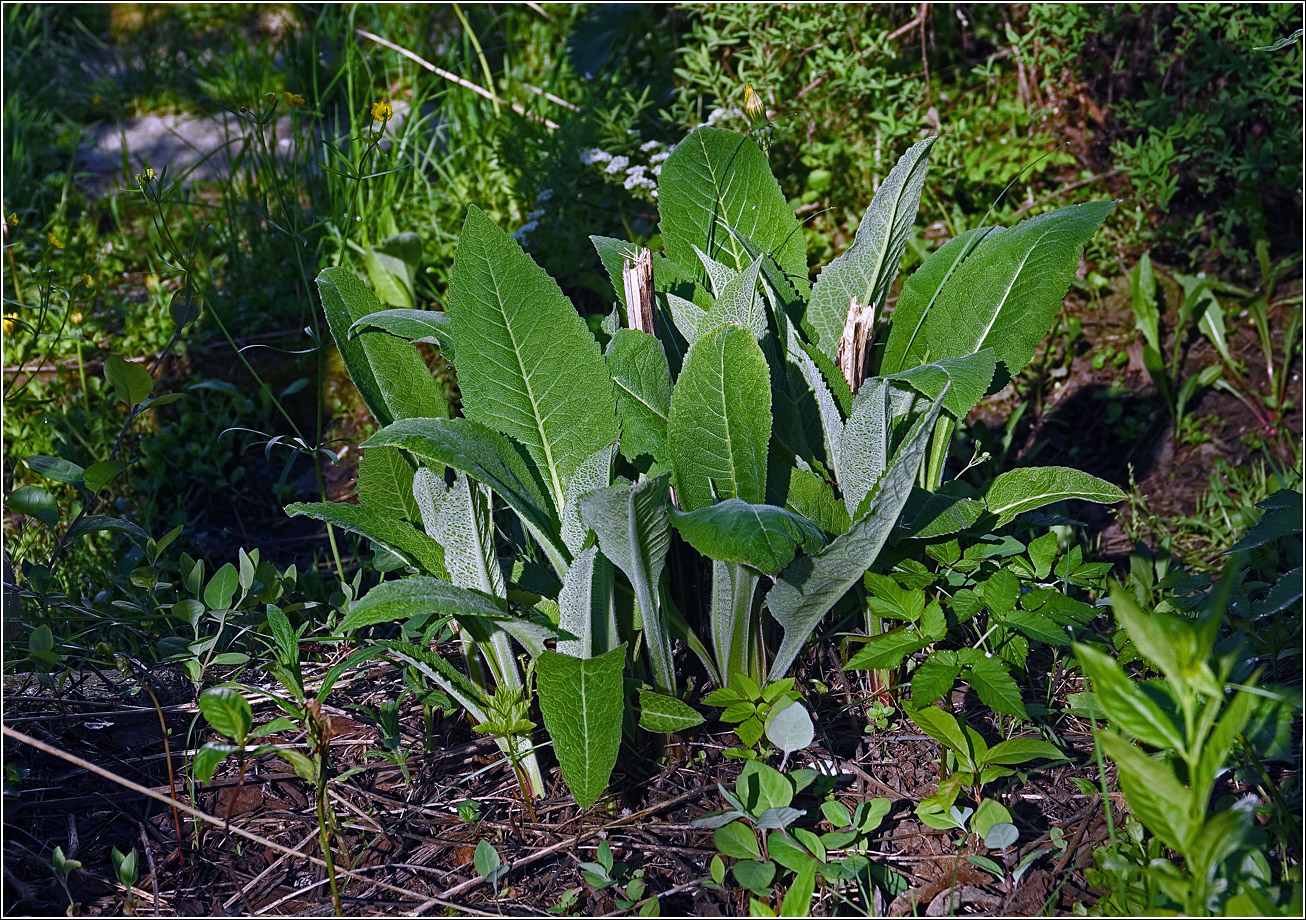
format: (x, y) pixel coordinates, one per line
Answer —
(12, 221)
(754, 109)
(54, 240)
(382, 111)
(151, 283)
(11, 323)
(76, 319)
(146, 177)
(87, 280)
(294, 100)
(95, 100)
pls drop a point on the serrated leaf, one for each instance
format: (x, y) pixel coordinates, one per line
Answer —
(390, 375)
(385, 484)
(716, 179)
(489, 458)
(888, 649)
(935, 677)
(812, 497)
(661, 713)
(720, 420)
(739, 302)
(642, 378)
(997, 690)
(527, 365)
(865, 271)
(969, 376)
(811, 585)
(402, 539)
(634, 532)
(131, 382)
(1016, 491)
(581, 701)
(762, 536)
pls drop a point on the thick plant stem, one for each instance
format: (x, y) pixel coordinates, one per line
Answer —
(932, 471)
(733, 622)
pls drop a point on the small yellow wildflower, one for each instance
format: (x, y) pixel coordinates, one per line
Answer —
(95, 100)
(294, 100)
(148, 176)
(76, 319)
(152, 283)
(11, 323)
(382, 111)
(12, 221)
(54, 240)
(87, 280)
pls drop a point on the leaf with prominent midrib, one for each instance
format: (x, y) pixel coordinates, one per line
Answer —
(395, 535)
(969, 376)
(634, 532)
(643, 383)
(866, 269)
(594, 473)
(1017, 491)
(385, 484)
(1006, 294)
(811, 585)
(716, 179)
(581, 701)
(527, 364)
(390, 375)
(585, 606)
(661, 713)
(430, 326)
(720, 420)
(762, 536)
(486, 456)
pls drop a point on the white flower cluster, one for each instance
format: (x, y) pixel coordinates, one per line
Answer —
(719, 115)
(639, 178)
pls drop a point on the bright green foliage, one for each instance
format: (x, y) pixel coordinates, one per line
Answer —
(1017, 491)
(761, 536)
(400, 538)
(581, 699)
(527, 366)
(661, 713)
(642, 380)
(390, 375)
(385, 484)
(720, 420)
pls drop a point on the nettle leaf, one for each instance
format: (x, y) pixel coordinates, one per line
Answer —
(716, 179)
(429, 326)
(585, 607)
(996, 688)
(581, 700)
(642, 378)
(414, 546)
(390, 375)
(489, 458)
(661, 713)
(1016, 491)
(811, 585)
(385, 483)
(720, 420)
(762, 536)
(634, 532)
(527, 365)
(865, 271)
(1004, 294)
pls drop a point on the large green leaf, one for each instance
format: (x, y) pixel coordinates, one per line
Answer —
(527, 365)
(740, 302)
(720, 420)
(385, 484)
(762, 536)
(865, 271)
(1006, 294)
(403, 539)
(466, 531)
(1017, 491)
(969, 376)
(392, 266)
(1151, 790)
(430, 326)
(811, 585)
(487, 457)
(862, 451)
(642, 378)
(634, 532)
(390, 375)
(581, 701)
(718, 179)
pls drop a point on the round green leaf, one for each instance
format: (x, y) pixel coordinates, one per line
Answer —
(790, 729)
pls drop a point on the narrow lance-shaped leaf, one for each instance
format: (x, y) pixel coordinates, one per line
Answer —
(1016, 491)
(811, 585)
(581, 701)
(585, 607)
(527, 365)
(390, 375)
(634, 532)
(395, 535)
(720, 420)
(865, 271)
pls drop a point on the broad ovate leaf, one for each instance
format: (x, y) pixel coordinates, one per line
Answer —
(762, 536)
(642, 379)
(581, 701)
(1016, 491)
(720, 420)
